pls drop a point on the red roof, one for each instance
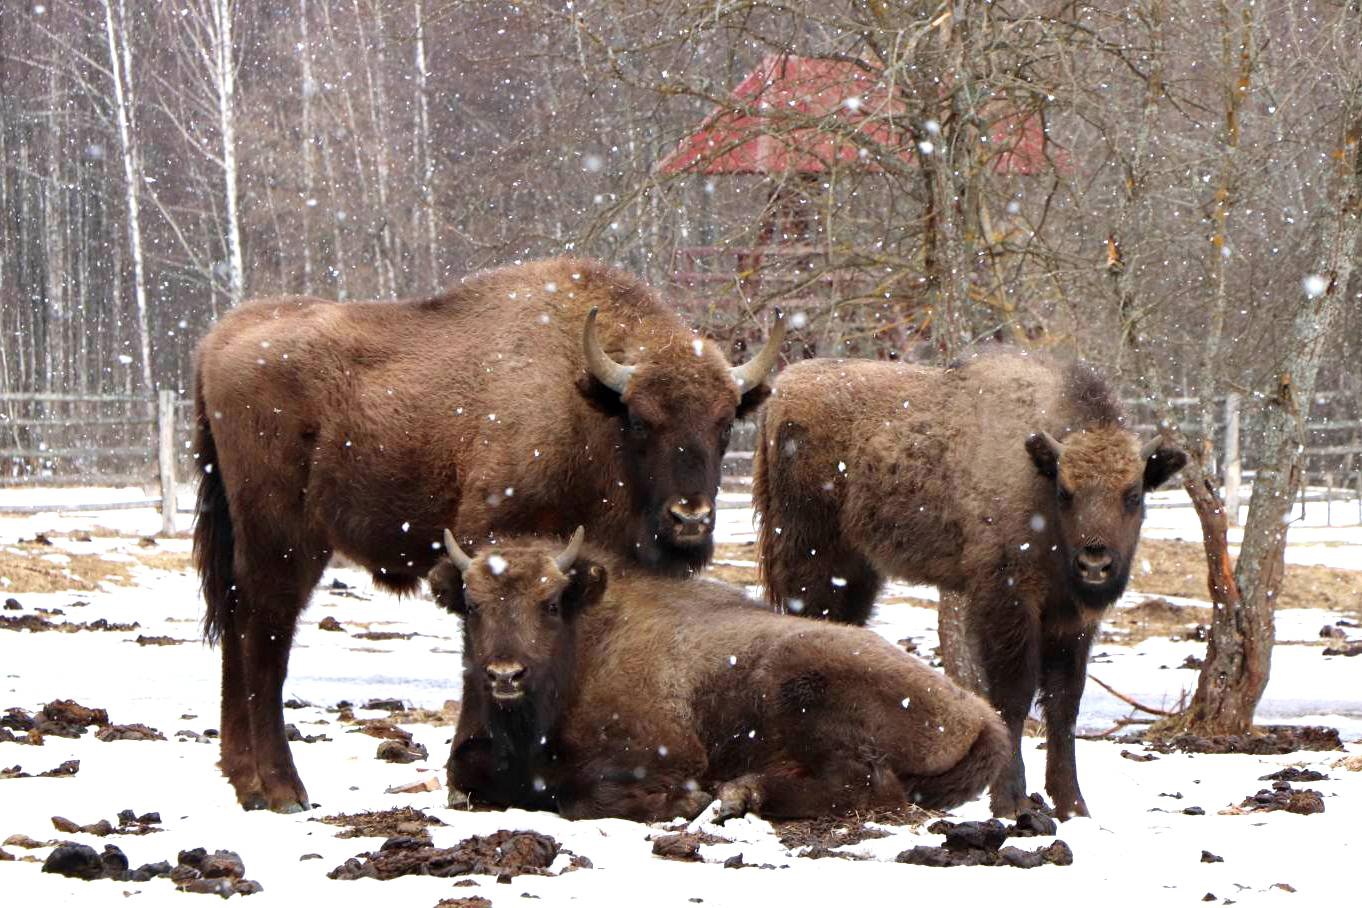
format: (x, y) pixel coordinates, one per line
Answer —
(761, 132)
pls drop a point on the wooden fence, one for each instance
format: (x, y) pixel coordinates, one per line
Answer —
(77, 439)
(96, 439)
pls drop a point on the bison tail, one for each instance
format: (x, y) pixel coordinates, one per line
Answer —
(214, 538)
(968, 778)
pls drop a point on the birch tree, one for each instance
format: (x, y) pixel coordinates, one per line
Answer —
(205, 27)
(125, 115)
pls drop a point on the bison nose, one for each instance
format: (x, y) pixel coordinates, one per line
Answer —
(1094, 563)
(505, 678)
(692, 514)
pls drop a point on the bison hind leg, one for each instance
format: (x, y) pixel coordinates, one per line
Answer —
(795, 789)
(981, 765)
(834, 583)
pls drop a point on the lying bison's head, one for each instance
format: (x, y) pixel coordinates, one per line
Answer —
(1100, 477)
(674, 409)
(517, 604)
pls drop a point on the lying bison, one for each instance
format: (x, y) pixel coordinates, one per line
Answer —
(1010, 481)
(602, 692)
(504, 405)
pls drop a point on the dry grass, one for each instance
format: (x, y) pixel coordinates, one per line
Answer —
(1179, 569)
(36, 568)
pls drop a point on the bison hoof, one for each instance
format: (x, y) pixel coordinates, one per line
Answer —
(289, 807)
(737, 799)
(1010, 807)
(1066, 809)
(253, 801)
(692, 804)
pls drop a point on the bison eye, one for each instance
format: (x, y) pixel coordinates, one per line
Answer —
(1132, 500)
(552, 607)
(638, 428)
(1066, 498)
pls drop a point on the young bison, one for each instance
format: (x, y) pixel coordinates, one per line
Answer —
(1010, 481)
(599, 691)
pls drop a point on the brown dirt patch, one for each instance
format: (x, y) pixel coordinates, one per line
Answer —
(821, 837)
(446, 715)
(1281, 796)
(37, 568)
(1266, 740)
(1154, 617)
(502, 854)
(386, 823)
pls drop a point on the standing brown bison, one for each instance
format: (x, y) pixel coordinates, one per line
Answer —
(504, 405)
(1009, 480)
(602, 692)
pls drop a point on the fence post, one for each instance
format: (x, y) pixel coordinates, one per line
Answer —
(165, 458)
(1233, 466)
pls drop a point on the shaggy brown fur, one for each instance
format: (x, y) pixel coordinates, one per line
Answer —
(366, 428)
(868, 470)
(604, 692)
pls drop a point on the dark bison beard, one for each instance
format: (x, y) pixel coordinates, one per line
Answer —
(657, 550)
(521, 747)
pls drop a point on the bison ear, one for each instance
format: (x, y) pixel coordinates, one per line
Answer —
(586, 586)
(599, 397)
(752, 399)
(446, 585)
(1044, 452)
(1161, 465)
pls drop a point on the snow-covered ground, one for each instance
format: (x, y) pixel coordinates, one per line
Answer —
(1139, 848)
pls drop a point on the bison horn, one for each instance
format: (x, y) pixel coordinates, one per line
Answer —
(456, 554)
(754, 371)
(568, 556)
(1056, 448)
(608, 372)
(1149, 448)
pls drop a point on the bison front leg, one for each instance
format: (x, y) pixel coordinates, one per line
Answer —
(1008, 648)
(622, 794)
(644, 783)
(477, 769)
(1064, 672)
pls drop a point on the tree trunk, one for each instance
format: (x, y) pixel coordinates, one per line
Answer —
(120, 68)
(1120, 257)
(427, 157)
(957, 650)
(54, 221)
(1237, 65)
(373, 76)
(306, 90)
(224, 74)
(1240, 650)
